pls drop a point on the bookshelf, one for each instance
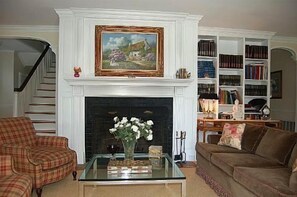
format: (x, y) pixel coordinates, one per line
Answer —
(234, 64)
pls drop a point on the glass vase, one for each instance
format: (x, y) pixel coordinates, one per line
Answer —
(129, 147)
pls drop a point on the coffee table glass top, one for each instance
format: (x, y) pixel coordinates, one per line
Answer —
(96, 169)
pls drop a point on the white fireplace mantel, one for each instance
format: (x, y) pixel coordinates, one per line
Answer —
(128, 81)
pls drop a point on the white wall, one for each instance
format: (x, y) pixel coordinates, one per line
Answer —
(6, 83)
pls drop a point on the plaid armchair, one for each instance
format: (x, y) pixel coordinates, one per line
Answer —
(47, 159)
(11, 182)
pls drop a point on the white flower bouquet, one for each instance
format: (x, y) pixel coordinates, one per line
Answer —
(132, 130)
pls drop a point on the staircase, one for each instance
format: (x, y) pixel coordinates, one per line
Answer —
(42, 109)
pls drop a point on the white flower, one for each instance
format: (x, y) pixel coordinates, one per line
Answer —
(150, 132)
(134, 128)
(116, 125)
(115, 119)
(138, 135)
(112, 130)
(133, 119)
(128, 125)
(124, 120)
(149, 137)
(121, 126)
(149, 122)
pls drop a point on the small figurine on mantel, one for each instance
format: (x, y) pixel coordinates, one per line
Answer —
(77, 70)
(237, 111)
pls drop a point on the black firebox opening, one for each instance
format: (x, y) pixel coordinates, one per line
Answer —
(99, 114)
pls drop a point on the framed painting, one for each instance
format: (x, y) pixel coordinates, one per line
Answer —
(276, 84)
(129, 51)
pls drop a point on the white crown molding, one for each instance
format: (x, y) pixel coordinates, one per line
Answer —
(126, 14)
(30, 28)
(218, 31)
(284, 39)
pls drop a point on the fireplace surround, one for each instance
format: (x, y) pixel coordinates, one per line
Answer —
(77, 48)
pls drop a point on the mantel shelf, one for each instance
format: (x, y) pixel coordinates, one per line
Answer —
(126, 81)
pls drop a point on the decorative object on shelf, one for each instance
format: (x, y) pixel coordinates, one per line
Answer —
(206, 69)
(208, 103)
(265, 110)
(155, 151)
(276, 84)
(138, 51)
(77, 70)
(237, 111)
(182, 73)
(129, 131)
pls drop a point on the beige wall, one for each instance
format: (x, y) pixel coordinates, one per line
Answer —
(6, 83)
(285, 60)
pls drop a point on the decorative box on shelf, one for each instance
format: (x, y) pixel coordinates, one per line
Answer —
(129, 166)
(155, 151)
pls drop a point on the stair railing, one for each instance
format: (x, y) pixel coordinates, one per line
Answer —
(24, 94)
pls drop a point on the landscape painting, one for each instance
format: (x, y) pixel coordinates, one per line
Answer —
(129, 51)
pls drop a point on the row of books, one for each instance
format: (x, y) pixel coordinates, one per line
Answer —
(206, 69)
(229, 80)
(207, 48)
(230, 61)
(254, 51)
(229, 96)
(255, 90)
(206, 88)
(256, 71)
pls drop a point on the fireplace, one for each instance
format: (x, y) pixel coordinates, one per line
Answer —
(99, 114)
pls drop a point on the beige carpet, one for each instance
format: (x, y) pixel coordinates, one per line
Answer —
(195, 187)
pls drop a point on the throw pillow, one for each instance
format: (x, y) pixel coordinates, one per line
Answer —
(232, 134)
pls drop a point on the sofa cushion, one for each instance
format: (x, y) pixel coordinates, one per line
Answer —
(17, 130)
(293, 156)
(293, 181)
(206, 150)
(264, 181)
(16, 185)
(277, 145)
(231, 135)
(227, 161)
(52, 157)
(252, 136)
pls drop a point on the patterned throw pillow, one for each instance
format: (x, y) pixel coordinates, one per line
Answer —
(294, 167)
(232, 134)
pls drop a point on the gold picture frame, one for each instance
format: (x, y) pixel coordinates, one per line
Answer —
(129, 51)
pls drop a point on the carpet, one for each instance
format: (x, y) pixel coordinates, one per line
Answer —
(196, 187)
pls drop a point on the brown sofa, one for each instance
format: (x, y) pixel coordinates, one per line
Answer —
(263, 166)
(46, 159)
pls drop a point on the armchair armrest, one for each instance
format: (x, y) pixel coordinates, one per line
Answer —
(6, 165)
(53, 141)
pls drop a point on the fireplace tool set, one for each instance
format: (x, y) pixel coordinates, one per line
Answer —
(180, 139)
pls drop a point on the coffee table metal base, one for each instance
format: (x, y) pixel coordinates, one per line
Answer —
(82, 184)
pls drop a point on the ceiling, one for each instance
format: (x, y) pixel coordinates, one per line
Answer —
(278, 16)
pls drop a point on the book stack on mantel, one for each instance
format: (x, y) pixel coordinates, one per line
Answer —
(129, 167)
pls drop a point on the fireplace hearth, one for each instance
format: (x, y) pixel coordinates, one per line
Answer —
(99, 114)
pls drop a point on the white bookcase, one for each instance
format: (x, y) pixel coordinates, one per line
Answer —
(241, 68)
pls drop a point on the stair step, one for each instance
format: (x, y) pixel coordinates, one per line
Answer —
(41, 116)
(42, 92)
(49, 79)
(47, 86)
(44, 125)
(42, 108)
(43, 100)
(50, 74)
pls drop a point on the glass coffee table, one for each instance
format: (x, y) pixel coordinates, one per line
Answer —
(165, 172)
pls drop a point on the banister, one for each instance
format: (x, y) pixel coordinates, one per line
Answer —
(20, 89)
